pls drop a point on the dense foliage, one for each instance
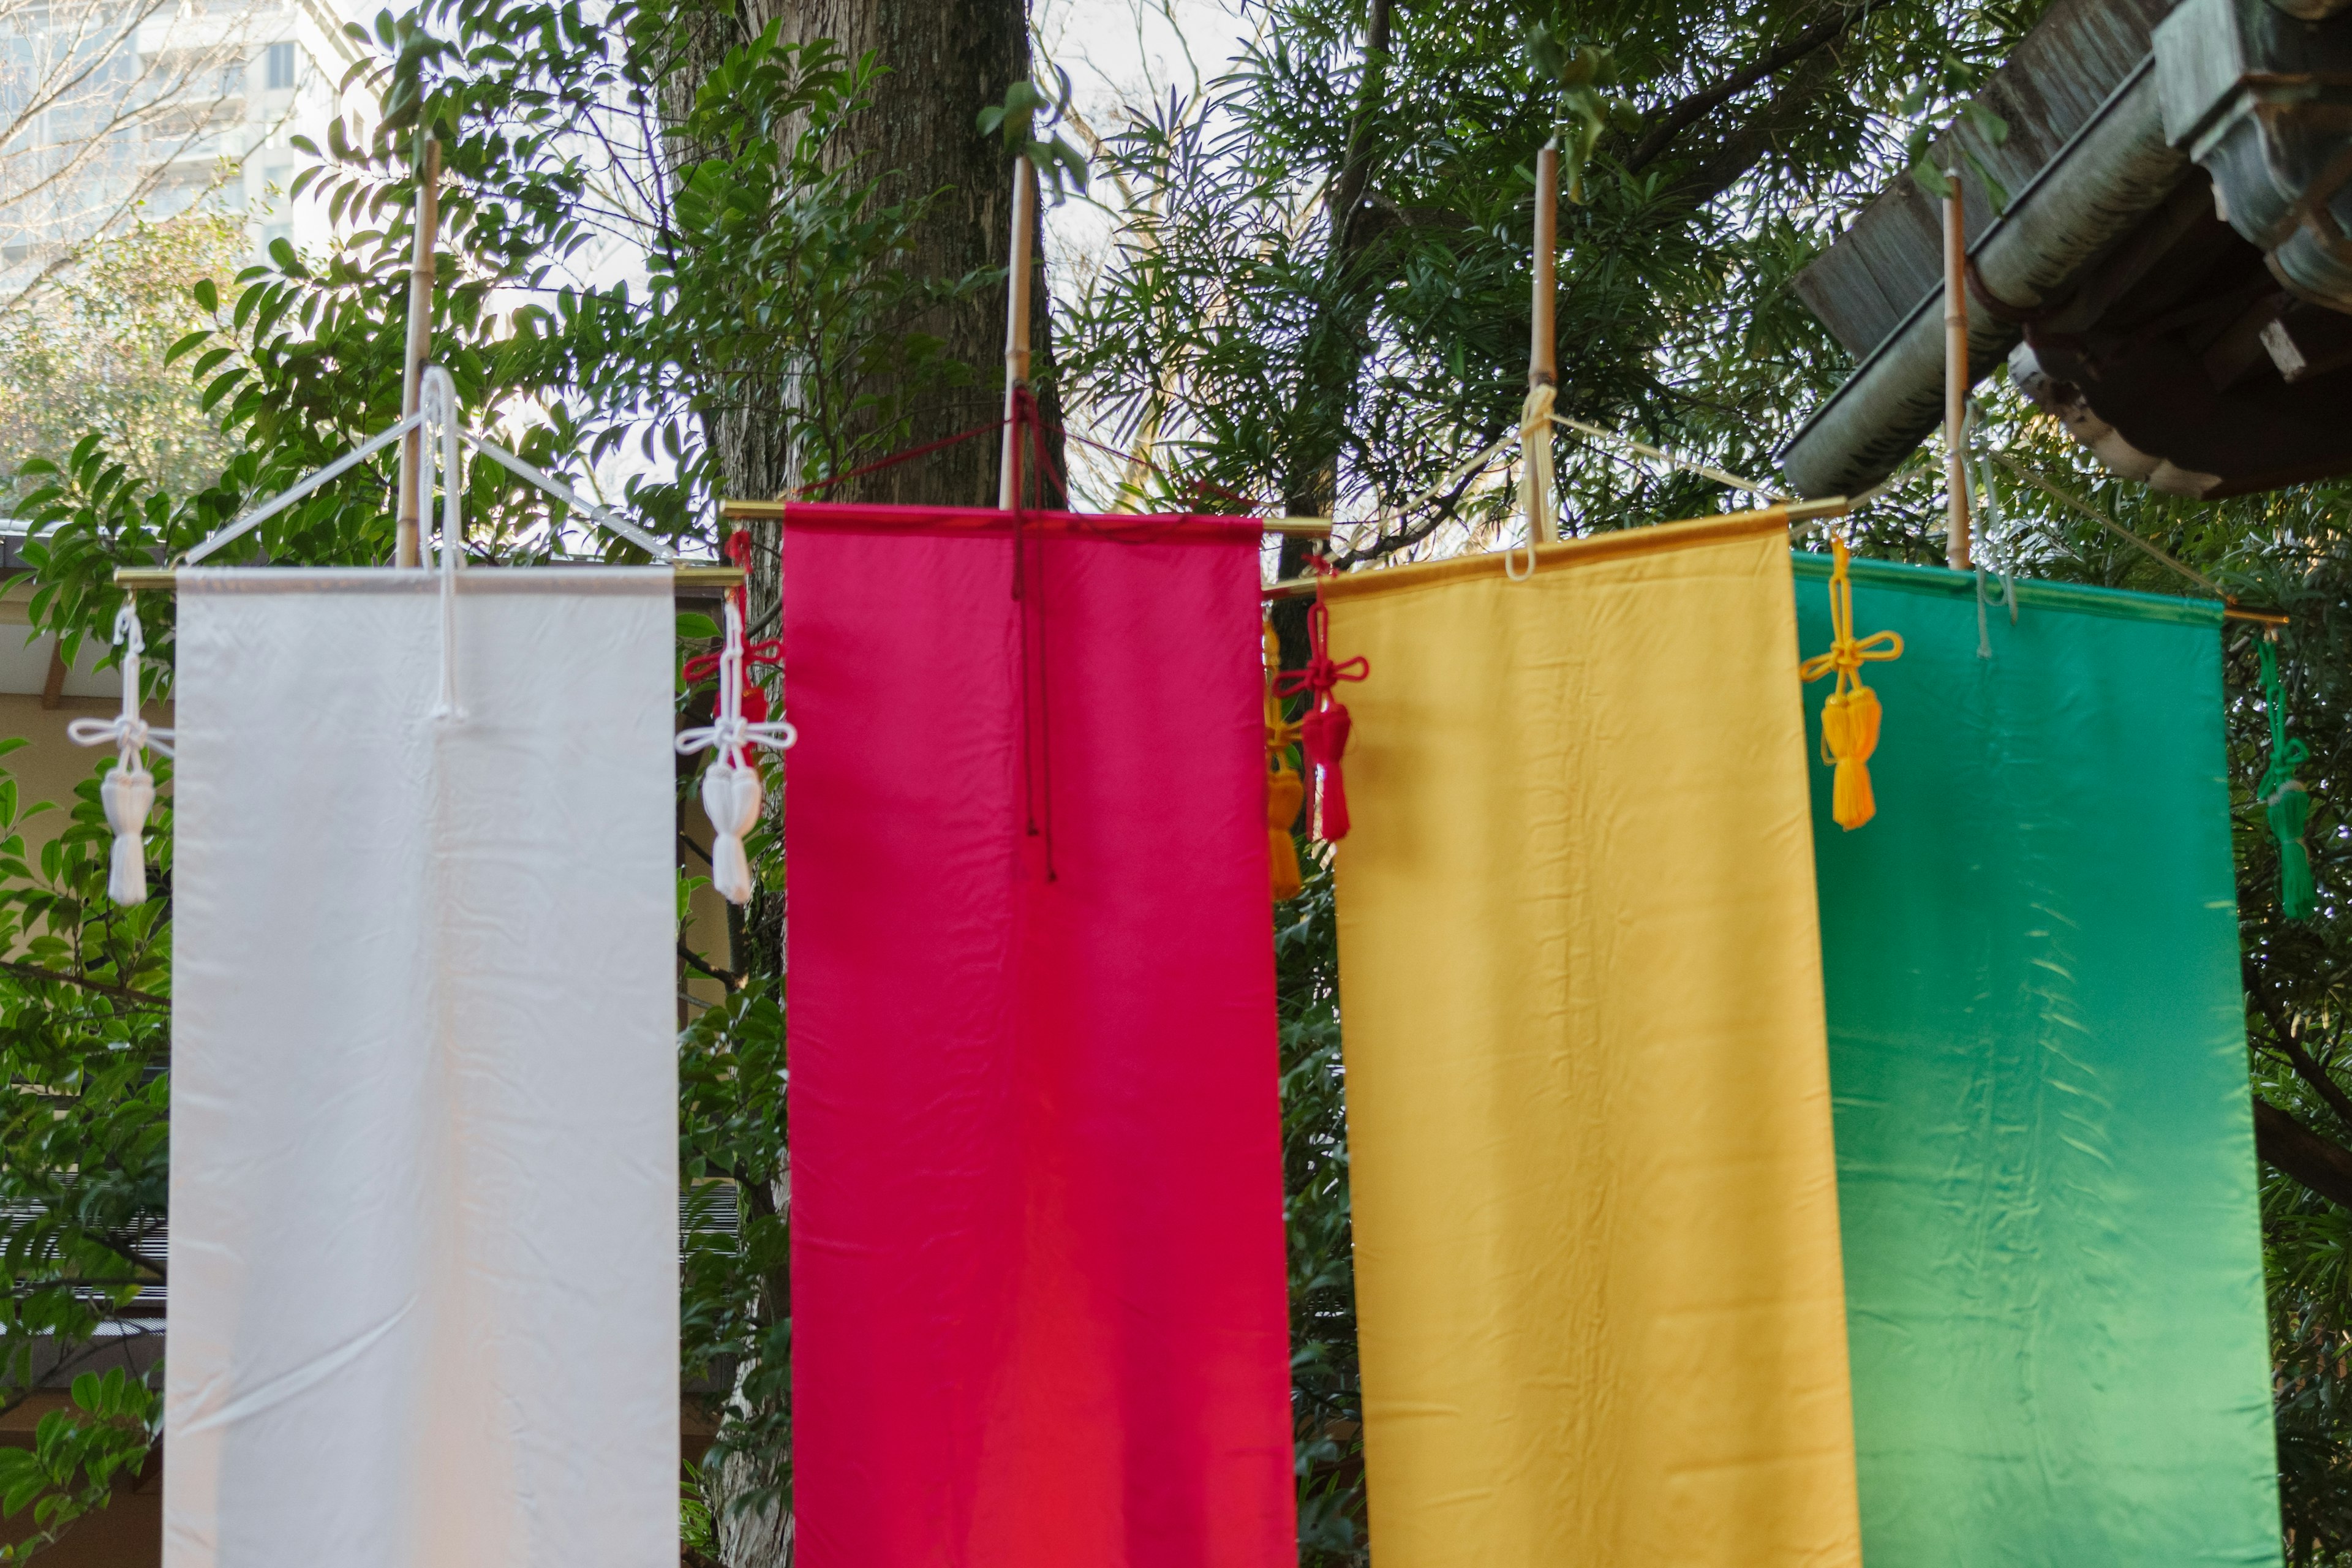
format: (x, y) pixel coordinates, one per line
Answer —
(92, 357)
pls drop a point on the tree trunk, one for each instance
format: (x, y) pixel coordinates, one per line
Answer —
(941, 68)
(944, 63)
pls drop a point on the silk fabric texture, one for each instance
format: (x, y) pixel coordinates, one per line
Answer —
(1597, 1264)
(1038, 1273)
(423, 1249)
(2037, 1048)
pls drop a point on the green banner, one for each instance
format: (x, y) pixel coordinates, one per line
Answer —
(2038, 1061)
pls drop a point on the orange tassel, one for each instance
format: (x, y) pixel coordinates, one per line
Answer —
(1848, 735)
(1284, 790)
(1849, 717)
(1284, 793)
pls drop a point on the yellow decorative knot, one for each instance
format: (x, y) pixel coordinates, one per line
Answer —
(1849, 716)
(1286, 792)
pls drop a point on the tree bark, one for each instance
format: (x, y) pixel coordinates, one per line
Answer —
(760, 1536)
(944, 62)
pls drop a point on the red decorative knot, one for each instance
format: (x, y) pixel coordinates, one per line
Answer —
(1323, 731)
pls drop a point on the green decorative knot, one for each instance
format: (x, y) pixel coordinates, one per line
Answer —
(2285, 800)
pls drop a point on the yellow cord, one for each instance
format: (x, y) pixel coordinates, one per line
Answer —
(1286, 792)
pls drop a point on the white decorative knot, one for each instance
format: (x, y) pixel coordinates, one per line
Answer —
(732, 792)
(128, 790)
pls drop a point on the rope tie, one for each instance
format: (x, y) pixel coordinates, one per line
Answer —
(1849, 716)
(2284, 799)
(1323, 729)
(1285, 791)
(1535, 477)
(436, 400)
(732, 790)
(128, 790)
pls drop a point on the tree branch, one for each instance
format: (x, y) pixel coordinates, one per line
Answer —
(1347, 190)
(1681, 116)
(119, 992)
(695, 961)
(2290, 1046)
(1739, 151)
(2324, 1166)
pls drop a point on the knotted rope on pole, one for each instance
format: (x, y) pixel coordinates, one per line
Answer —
(128, 790)
(732, 790)
(1535, 474)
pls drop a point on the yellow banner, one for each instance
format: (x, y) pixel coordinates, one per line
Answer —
(1597, 1270)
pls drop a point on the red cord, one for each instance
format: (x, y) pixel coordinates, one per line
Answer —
(1323, 731)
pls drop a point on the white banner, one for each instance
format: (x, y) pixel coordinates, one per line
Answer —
(424, 1239)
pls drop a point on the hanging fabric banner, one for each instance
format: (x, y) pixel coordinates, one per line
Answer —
(1038, 1270)
(1587, 1107)
(2045, 1150)
(423, 1252)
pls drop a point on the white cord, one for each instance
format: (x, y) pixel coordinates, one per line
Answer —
(437, 401)
(128, 790)
(602, 517)
(284, 498)
(732, 792)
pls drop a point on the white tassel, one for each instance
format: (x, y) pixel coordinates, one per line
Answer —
(731, 797)
(732, 790)
(128, 790)
(127, 796)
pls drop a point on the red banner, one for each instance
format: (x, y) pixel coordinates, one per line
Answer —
(1038, 1278)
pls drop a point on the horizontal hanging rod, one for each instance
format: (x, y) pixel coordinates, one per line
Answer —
(1795, 511)
(1288, 527)
(165, 579)
(2259, 617)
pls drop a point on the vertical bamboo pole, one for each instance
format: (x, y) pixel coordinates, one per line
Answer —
(1543, 343)
(1016, 331)
(1956, 373)
(406, 551)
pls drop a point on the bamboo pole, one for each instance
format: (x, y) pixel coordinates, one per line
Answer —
(406, 549)
(693, 578)
(1016, 331)
(1288, 526)
(1543, 343)
(1956, 375)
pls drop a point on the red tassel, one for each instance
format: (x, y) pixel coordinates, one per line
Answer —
(1324, 735)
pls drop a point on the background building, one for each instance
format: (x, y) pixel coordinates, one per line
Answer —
(112, 110)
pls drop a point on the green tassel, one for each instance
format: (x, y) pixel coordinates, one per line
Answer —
(2285, 800)
(2289, 809)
